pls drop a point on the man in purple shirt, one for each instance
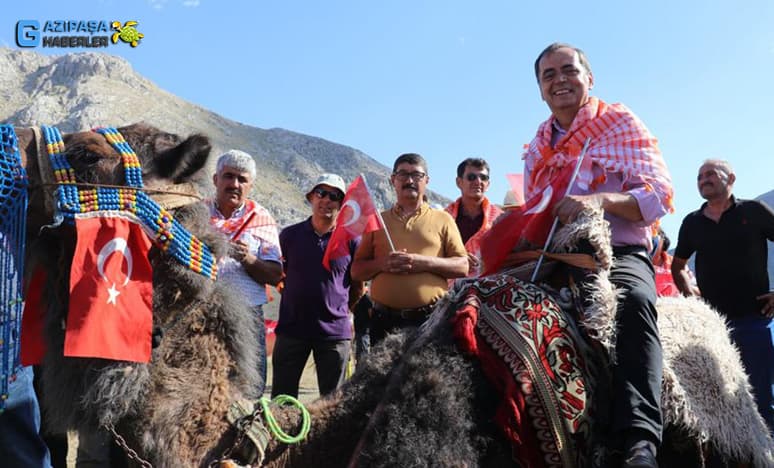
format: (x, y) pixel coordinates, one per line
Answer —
(315, 304)
(625, 176)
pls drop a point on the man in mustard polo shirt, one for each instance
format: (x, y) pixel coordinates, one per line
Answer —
(429, 251)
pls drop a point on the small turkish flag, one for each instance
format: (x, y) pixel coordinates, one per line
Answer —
(528, 224)
(357, 216)
(111, 291)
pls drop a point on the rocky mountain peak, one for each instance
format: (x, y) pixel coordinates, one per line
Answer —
(83, 90)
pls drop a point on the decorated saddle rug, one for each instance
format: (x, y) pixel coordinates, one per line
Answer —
(529, 351)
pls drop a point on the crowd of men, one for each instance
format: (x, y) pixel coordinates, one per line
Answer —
(427, 249)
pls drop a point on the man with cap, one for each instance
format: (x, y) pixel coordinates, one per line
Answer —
(428, 252)
(472, 211)
(510, 202)
(315, 304)
(254, 258)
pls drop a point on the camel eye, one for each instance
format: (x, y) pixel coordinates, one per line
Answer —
(90, 159)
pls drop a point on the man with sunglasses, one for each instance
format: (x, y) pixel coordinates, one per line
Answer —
(473, 212)
(315, 304)
(408, 281)
(728, 236)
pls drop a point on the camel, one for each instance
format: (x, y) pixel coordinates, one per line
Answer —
(420, 399)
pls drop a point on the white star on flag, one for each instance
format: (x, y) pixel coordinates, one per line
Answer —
(113, 292)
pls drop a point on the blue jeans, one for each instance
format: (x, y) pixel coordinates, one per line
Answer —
(754, 336)
(20, 441)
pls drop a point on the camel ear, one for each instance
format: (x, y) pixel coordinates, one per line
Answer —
(181, 162)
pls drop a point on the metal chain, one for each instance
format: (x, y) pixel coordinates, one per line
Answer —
(129, 452)
(241, 427)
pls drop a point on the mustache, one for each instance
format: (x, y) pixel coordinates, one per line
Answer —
(405, 186)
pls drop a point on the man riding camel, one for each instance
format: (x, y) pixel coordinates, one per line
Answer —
(628, 179)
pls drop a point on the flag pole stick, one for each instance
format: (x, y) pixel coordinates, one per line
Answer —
(243, 226)
(556, 219)
(379, 214)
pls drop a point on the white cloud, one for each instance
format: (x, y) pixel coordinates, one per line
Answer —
(157, 4)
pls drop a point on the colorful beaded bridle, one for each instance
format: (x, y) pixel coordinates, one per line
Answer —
(165, 231)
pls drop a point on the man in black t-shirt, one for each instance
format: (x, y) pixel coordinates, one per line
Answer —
(728, 236)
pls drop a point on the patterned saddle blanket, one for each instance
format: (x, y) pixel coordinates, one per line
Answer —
(529, 350)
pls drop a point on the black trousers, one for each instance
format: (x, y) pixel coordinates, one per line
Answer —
(289, 360)
(383, 323)
(637, 374)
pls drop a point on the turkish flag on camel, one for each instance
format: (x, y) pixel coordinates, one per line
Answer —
(358, 215)
(527, 225)
(111, 290)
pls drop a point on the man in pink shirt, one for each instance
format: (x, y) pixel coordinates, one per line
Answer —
(627, 178)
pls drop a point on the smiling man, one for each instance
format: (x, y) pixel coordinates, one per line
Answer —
(472, 211)
(315, 305)
(254, 257)
(428, 252)
(628, 179)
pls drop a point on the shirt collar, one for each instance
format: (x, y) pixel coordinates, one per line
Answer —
(558, 128)
(236, 214)
(734, 204)
(396, 210)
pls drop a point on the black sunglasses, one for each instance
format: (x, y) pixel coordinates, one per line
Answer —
(333, 195)
(471, 177)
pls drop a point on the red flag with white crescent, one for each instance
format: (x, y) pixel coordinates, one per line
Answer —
(111, 290)
(528, 224)
(357, 216)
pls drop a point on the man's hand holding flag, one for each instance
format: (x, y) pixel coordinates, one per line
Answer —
(358, 215)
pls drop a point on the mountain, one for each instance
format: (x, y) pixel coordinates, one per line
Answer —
(85, 90)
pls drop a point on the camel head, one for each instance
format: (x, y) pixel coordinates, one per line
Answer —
(167, 159)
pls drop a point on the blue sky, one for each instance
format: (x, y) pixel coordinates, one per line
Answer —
(453, 79)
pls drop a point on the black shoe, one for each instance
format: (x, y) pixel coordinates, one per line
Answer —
(641, 455)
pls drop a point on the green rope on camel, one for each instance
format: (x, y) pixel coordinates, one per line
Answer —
(276, 430)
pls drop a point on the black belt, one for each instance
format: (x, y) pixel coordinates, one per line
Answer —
(417, 313)
(630, 249)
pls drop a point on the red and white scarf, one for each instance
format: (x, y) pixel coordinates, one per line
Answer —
(261, 225)
(620, 142)
(491, 213)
